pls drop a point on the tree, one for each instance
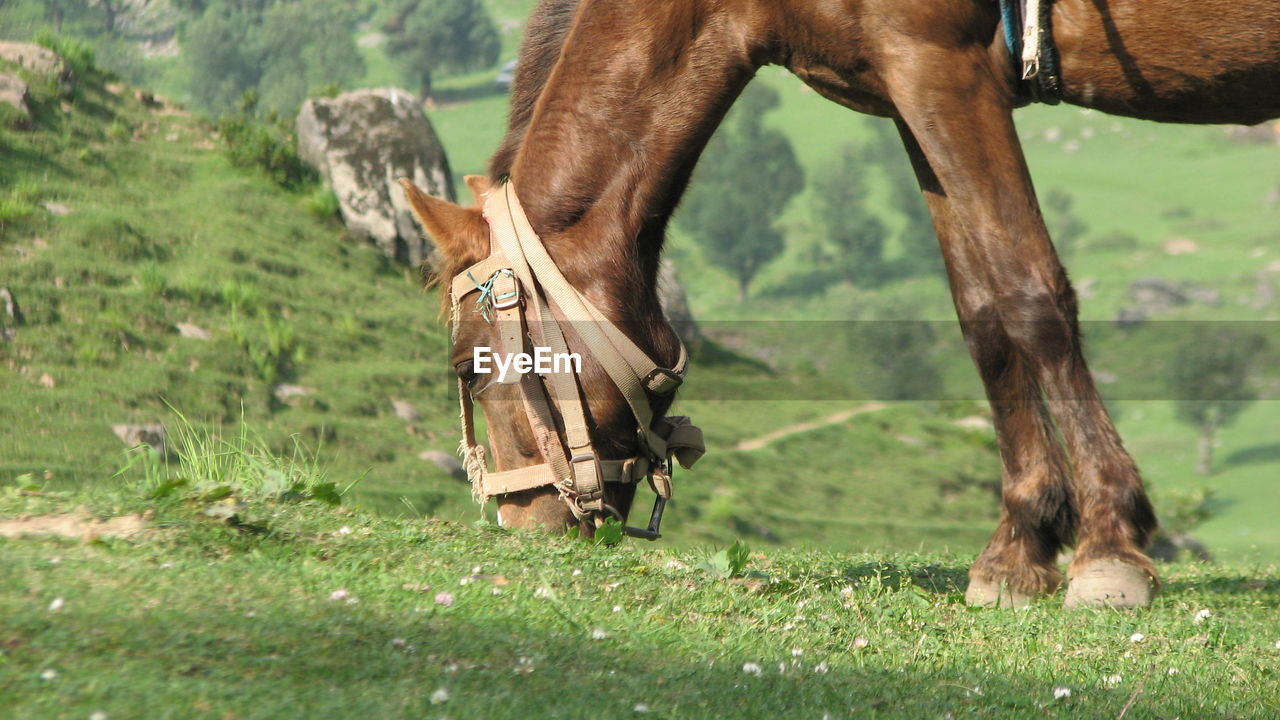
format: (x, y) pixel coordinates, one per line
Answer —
(433, 36)
(747, 176)
(840, 208)
(917, 239)
(284, 49)
(1209, 376)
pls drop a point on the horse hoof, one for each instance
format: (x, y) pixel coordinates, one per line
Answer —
(1109, 583)
(995, 594)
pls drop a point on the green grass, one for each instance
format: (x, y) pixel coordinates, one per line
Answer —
(323, 612)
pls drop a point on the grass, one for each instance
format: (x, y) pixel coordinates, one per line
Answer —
(331, 612)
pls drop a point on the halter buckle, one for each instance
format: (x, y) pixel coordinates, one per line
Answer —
(663, 380)
(508, 299)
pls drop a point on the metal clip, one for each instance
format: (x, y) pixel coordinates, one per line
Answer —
(655, 522)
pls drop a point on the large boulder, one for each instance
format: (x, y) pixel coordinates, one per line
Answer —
(675, 305)
(362, 142)
(13, 91)
(38, 61)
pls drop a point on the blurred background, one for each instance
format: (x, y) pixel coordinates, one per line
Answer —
(186, 247)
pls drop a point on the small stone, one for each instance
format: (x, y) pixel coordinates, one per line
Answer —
(135, 435)
(406, 411)
(445, 461)
(57, 604)
(195, 332)
(285, 392)
(48, 674)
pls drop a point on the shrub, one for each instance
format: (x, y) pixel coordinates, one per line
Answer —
(270, 146)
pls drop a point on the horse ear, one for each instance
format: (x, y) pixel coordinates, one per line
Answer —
(479, 185)
(456, 231)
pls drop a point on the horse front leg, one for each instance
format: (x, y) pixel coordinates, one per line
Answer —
(959, 113)
(1037, 515)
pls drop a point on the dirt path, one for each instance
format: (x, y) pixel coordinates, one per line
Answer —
(757, 443)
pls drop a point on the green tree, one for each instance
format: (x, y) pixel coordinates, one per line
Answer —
(433, 36)
(1209, 376)
(917, 240)
(841, 210)
(284, 49)
(747, 176)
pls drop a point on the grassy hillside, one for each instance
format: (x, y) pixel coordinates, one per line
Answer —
(301, 610)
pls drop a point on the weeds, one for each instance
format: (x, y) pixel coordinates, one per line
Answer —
(204, 464)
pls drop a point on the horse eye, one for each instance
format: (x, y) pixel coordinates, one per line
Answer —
(465, 371)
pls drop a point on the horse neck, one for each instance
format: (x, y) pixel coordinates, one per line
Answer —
(627, 108)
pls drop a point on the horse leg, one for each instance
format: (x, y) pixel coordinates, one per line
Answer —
(1037, 515)
(961, 118)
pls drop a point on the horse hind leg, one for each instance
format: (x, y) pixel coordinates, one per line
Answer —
(1037, 515)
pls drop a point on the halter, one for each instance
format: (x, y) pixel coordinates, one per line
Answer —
(518, 287)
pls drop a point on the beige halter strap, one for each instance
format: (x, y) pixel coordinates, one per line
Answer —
(523, 291)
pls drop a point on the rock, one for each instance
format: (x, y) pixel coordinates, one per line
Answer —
(975, 422)
(446, 462)
(362, 142)
(285, 392)
(405, 411)
(13, 91)
(39, 61)
(1180, 246)
(134, 435)
(1268, 133)
(195, 332)
(1156, 293)
(10, 305)
(675, 305)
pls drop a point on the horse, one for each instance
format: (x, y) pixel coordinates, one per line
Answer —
(613, 102)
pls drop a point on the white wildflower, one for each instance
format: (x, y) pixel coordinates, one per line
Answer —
(57, 604)
(576, 572)
(1112, 680)
(398, 642)
(542, 593)
(1173, 671)
(48, 674)
(641, 708)
(1061, 692)
(861, 642)
(467, 580)
(476, 570)
(599, 634)
(796, 652)
(444, 598)
(97, 715)
(617, 608)
(1202, 616)
(821, 668)
(344, 530)
(752, 668)
(1278, 644)
(440, 697)
(339, 594)
(1137, 638)
(497, 591)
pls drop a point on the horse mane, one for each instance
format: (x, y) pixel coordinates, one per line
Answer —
(539, 51)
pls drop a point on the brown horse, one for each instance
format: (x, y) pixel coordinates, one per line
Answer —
(614, 101)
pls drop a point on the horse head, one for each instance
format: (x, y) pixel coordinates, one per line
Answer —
(570, 441)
